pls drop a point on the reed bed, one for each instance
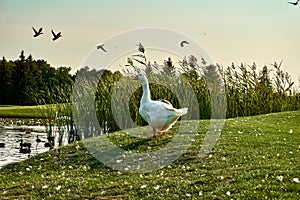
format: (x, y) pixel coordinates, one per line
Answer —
(234, 91)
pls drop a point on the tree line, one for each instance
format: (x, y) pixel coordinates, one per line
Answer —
(26, 81)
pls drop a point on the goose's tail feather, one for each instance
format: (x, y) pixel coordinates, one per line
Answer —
(183, 111)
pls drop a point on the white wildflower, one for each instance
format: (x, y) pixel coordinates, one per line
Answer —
(70, 167)
(291, 131)
(143, 186)
(118, 161)
(188, 195)
(156, 187)
(27, 168)
(296, 180)
(280, 178)
(221, 177)
(58, 187)
(45, 187)
(228, 193)
(200, 193)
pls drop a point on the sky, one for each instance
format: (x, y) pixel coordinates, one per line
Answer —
(238, 31)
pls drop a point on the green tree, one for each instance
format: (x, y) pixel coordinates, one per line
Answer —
(6, 84)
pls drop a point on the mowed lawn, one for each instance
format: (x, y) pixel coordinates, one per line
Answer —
(255, 157)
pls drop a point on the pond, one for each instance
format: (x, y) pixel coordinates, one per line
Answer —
(11, 136)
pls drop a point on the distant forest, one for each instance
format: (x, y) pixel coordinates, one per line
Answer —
(26, 81)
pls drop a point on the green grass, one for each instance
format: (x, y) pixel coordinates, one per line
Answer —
(22, 111)
(40, 111)
(255, 158)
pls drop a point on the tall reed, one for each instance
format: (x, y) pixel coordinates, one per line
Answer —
(237, 90)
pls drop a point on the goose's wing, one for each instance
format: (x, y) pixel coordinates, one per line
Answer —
(158, 114)
(41, 29)
(165, 101)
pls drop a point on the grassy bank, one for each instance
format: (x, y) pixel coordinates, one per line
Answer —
(255, 158)
(22, 111)
(40, 111)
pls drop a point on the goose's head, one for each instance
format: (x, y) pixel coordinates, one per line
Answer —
(140, 77)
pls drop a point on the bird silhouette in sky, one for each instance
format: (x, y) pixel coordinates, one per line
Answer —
(294, 3)
(56, 35)
(183, 42)
(37, 33)
(101, 46)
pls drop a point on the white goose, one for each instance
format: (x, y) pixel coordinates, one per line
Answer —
(160, 115)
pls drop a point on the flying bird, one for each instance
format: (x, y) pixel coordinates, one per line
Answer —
(294, 3)
(56, 36)
(37, 33)
(101, 46)
(183, 42)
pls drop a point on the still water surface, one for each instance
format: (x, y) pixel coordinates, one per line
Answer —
(11, 137)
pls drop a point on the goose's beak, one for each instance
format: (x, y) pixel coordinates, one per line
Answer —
(136, 78)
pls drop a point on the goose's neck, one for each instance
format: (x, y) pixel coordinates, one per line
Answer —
(146, 92)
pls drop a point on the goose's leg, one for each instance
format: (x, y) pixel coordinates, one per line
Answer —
(154, 131)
